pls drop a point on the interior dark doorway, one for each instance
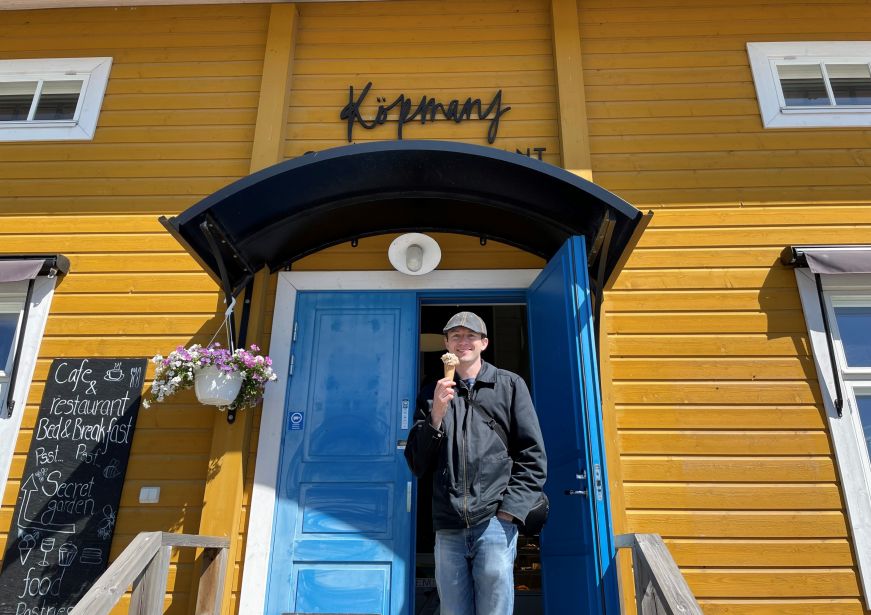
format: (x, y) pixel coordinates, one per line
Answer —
(508, 349)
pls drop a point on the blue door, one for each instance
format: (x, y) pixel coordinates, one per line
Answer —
(343, 519)
(577, 545)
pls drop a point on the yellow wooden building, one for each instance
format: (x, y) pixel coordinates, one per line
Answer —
(738, 132)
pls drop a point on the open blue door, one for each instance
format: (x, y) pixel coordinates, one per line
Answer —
(578, 573)
(343, 522)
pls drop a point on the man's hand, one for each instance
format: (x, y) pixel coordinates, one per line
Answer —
(441, 399)
(505, 516)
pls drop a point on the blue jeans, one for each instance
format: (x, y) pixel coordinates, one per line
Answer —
(474, 568)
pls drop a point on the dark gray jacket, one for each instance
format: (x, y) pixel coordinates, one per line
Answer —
(473, 475)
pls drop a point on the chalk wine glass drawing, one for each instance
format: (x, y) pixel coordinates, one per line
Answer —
(229, 379)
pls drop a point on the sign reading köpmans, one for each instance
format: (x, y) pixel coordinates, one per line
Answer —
(64, 519)
(427, 110)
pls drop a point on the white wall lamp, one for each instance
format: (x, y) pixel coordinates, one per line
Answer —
(414, 254)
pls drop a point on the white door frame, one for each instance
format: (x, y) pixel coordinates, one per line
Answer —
(261, 513)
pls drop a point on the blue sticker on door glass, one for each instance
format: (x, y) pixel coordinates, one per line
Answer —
(853, 325)
(297, 421)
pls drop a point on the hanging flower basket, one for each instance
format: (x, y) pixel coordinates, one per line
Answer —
(229, 380)
(216, 388)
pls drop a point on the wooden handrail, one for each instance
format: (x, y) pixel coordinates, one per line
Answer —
(660, 588)
(144, 564)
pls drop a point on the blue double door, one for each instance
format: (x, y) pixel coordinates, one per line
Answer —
(343, 536)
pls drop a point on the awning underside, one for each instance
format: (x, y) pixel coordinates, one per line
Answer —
(20, 267)
(832, 260)
(290, 210)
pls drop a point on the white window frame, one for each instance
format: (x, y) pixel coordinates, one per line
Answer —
(94, 74)
(764, 58)
(40, 301)
(851, 453)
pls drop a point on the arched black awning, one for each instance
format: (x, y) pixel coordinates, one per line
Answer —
(281, 214)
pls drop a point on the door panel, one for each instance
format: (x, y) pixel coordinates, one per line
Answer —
(342, 534)
(575, 544)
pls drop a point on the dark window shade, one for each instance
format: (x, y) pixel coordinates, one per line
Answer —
(58, 100)
(852, 91)
(803, 85)
(15, 100)
(15, 108)
(8, 326)
(804, 92)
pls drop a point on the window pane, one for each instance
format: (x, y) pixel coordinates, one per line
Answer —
(854, 324)
(851, 83)
(15, 100)
(803, 85)
(58, 100)
(864, 403)
(8, 325)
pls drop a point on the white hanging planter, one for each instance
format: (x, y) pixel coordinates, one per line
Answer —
(217, 388)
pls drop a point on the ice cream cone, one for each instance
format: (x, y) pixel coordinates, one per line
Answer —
(25, 546)
(451, 361)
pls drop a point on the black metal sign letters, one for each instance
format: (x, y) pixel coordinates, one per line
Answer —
(427, 110)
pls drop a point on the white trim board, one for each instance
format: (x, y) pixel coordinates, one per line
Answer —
(40, 301)
(257, 551)
(849, 457)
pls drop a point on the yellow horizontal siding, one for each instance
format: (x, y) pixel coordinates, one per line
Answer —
(704, 466)
(446, 51)
(670, 93)
(722, 440)
(762, 553)
(792, 606)
(176, 124)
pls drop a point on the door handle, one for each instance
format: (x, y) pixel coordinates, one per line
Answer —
(581, 476)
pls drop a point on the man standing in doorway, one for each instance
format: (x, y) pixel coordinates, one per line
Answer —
(480, 489)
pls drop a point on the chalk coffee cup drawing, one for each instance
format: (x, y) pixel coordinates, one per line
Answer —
(115, 374)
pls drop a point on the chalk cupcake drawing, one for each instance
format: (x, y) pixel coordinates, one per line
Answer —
(67, 554)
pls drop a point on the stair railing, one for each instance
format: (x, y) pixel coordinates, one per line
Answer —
(144, 565)
(660, 588)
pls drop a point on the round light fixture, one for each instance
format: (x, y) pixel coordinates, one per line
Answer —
(414, 253)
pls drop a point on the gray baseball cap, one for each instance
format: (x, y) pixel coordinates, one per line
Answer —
(469, 320)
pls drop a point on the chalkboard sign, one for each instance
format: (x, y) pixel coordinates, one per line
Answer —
(64, 519)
